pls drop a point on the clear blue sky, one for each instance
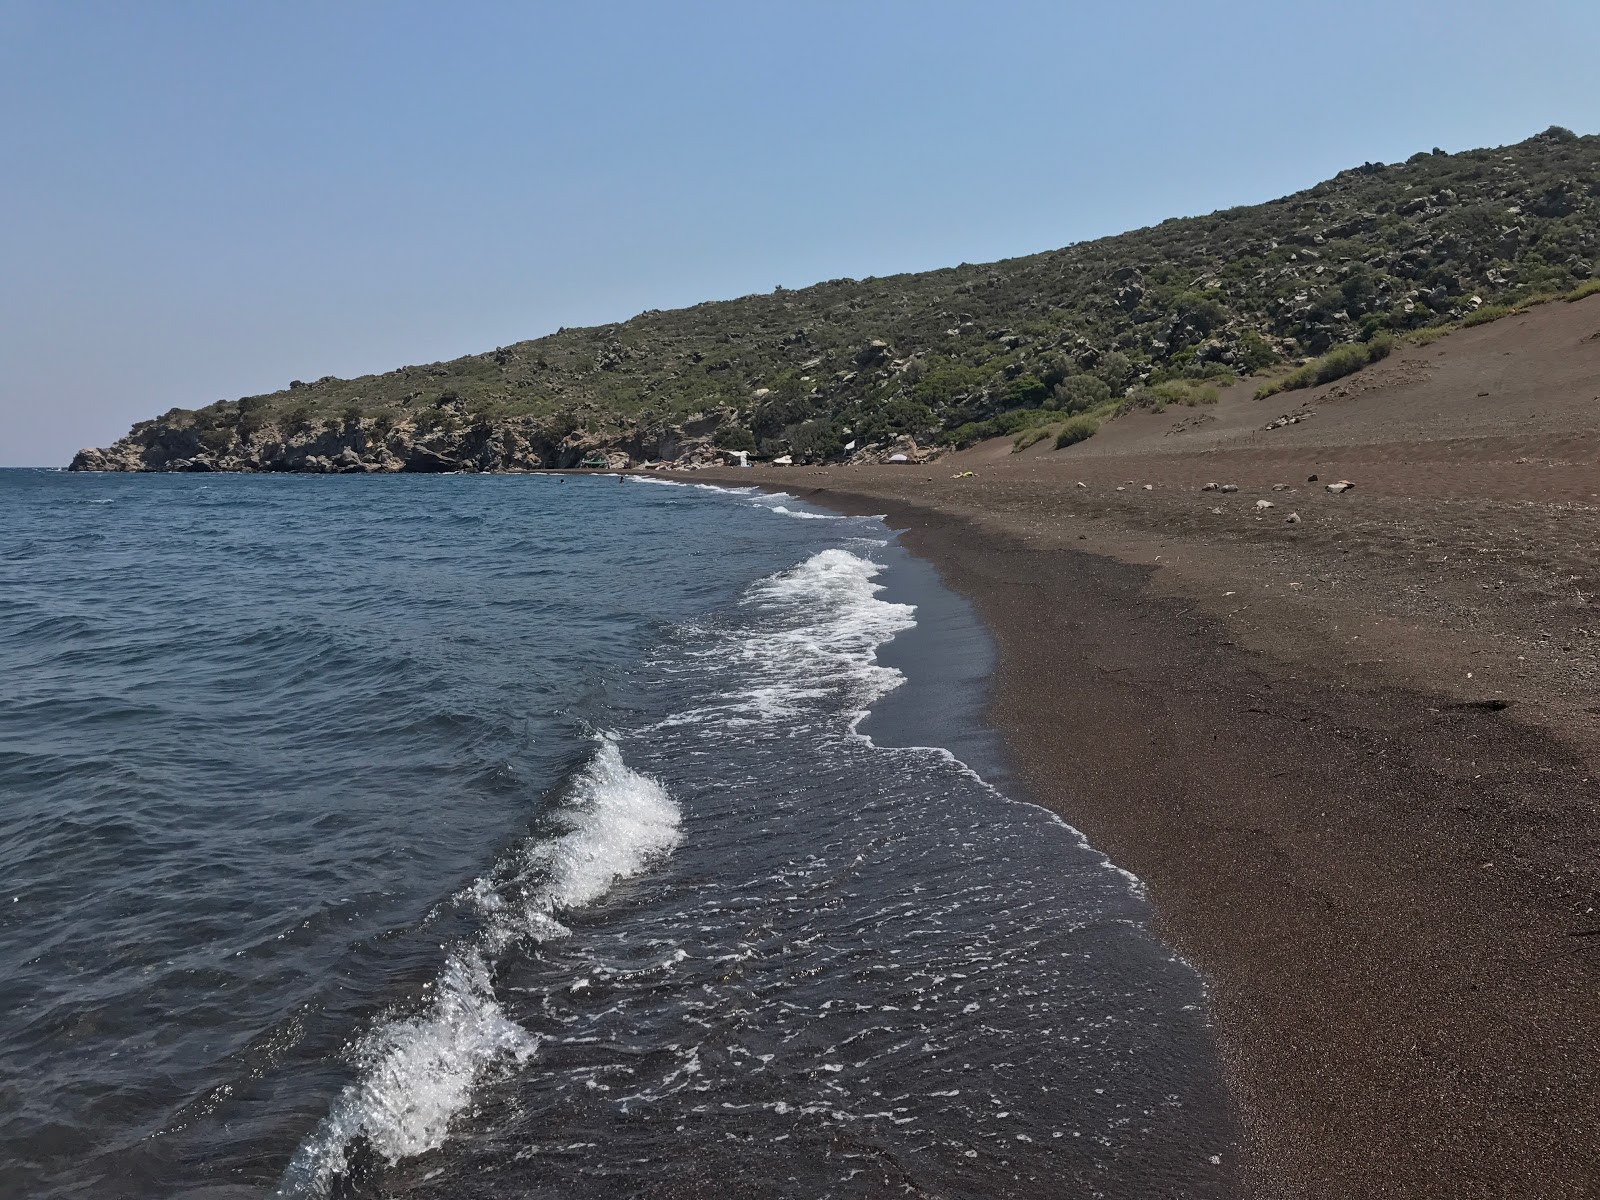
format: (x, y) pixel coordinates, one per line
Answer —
(205, 200)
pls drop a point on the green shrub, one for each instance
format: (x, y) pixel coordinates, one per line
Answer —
(1000, 425)
(1582, 290)
(734, 437)
(1157, 396)
(1255, 352)
(1115, 368)
(945, 379)
(1076, 430)
(1428, 334)
(965, 435)
(1208, 371)
(1033, 436)
(1017, 419)
(1025, 391)
(814, 440)
(1335, 364)
(1202, 310)
(1489, 312)
(897, 415)
(1081, 392)
(1534, 299)
(252, 415)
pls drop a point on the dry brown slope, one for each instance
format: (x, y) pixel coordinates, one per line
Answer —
(1524, 387)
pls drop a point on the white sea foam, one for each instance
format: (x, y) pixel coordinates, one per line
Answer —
(616, 823)
(807, 516)
(823, 625)
(771, 501)
(829, 625)
(704, 487)
(417, 1072)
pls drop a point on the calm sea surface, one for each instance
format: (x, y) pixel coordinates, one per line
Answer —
(526, 837)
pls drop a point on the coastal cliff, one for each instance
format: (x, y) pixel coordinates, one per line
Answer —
(1052, 345)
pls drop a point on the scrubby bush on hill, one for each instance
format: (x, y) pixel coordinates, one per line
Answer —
(1080, 393)
(1485, 314)
(1115, 368)
(1076, 430)
(1025, 391)
(1255, 353)
(1033, 436)
(1337, 363)
(735, 437)
(1003, 425)
(1189, 392)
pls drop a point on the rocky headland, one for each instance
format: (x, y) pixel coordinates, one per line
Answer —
(1057, 346)
(357, 444)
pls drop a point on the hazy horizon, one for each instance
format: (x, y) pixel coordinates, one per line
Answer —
(207, 203)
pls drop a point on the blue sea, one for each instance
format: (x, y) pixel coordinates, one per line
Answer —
(530, 836)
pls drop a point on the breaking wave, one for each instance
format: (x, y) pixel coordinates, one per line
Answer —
(418, 1072)
(813, 643)
(807, 516)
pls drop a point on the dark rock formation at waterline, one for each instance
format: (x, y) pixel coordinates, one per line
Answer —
(363, 445)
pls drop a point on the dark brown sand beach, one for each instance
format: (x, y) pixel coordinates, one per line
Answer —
(1354, 756)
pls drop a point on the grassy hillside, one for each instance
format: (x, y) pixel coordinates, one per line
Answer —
(953, 354)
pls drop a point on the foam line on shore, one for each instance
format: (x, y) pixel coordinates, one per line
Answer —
(843, 595)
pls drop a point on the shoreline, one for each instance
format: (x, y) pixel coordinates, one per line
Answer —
(1403, 1006)
(945, 707)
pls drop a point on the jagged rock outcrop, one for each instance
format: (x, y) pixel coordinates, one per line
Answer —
(376, 445)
